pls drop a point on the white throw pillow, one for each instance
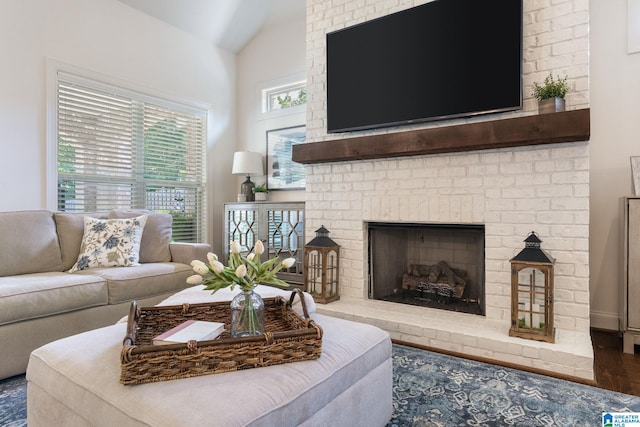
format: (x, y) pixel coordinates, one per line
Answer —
(110, 243)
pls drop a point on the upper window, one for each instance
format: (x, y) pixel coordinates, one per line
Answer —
(118, 149)
(286, 96)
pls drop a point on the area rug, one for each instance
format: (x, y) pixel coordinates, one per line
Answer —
(432, 389)
(13, 402)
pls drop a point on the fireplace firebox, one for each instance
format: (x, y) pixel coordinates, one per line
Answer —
(431, 265)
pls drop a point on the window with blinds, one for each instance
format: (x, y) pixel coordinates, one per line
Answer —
(117, 149)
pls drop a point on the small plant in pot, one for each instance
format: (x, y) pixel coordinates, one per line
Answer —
(260, 192)
(551, 94)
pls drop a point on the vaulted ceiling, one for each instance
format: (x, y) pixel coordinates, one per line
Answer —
(228, 24)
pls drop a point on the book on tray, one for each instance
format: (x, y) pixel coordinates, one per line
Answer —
(197, 330)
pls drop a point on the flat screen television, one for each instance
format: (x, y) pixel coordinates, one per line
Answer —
(442, 59)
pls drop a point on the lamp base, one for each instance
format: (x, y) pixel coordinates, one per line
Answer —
(247, 189)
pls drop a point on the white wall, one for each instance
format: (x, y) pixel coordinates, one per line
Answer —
(116, 40)
(276, 55)
(615, 136)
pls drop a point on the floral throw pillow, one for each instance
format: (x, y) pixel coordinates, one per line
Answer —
(110, 243)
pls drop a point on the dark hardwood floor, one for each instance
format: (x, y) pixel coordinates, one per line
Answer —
(615, 370)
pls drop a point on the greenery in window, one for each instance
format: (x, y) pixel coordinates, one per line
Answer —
(66, 187)
(165, 159)
(165, 149)
(287, 100)
(184, 226)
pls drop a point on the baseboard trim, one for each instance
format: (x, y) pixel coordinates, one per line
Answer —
(605, 321)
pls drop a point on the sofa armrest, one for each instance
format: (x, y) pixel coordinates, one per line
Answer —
(187, 252)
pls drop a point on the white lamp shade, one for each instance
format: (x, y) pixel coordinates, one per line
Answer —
(247, 163)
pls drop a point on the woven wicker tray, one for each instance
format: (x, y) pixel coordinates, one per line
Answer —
(289, 337)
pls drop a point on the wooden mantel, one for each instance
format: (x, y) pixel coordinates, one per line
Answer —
(568, 126)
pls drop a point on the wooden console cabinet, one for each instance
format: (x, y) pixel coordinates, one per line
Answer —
(631, 273)
(280, 226)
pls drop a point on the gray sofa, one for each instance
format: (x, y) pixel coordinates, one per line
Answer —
(41, 302)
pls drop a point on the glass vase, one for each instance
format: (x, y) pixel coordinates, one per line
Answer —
(247, 314)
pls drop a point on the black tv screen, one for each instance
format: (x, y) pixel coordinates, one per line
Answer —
(443, 59)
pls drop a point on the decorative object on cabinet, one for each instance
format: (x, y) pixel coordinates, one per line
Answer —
(635, 174)
(532, 292)
(630, 294)
(282, 172)
(280, 227)
(322, 267)
(247, 163)
(260, 192)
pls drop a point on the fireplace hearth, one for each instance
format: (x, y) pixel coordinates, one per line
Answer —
(430, 265)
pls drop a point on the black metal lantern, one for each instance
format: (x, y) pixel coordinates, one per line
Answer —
(532, 292)
(321, 267)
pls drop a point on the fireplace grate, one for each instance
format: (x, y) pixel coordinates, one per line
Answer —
(434, 300)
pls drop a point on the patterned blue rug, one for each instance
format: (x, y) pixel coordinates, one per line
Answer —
(432, 389)
(13, 402)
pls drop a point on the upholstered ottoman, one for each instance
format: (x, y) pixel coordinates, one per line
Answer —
(75, 382)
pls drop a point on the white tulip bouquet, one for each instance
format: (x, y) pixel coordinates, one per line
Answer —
(246, 272)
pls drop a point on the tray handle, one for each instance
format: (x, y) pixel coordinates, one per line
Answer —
(298, 292)
(308, 320)
(130, 338)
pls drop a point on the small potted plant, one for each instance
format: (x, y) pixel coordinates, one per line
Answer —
(260, 192)
(551, 94)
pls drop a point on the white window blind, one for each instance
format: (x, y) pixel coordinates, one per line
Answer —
(122, 150)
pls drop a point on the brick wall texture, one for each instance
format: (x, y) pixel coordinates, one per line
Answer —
(511, 191)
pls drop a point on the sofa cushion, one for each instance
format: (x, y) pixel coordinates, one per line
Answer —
(146, 280)
(28, 243)
(30, 296)
(110, 243)
(156, 235)
(70, 226)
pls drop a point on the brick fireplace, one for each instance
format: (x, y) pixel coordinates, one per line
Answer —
(494, 176)
(511, 192)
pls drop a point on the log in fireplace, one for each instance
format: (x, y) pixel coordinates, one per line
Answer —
(432, 265)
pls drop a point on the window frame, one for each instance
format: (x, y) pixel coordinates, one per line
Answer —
(98, 81)
(270, 92)
(283, 85)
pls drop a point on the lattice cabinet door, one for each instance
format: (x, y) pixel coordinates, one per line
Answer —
(285, 239)
(280, 226)
(241, 223)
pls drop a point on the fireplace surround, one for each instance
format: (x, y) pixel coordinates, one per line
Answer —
(511, 190)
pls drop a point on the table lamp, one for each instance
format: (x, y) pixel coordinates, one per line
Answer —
(247, 163)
